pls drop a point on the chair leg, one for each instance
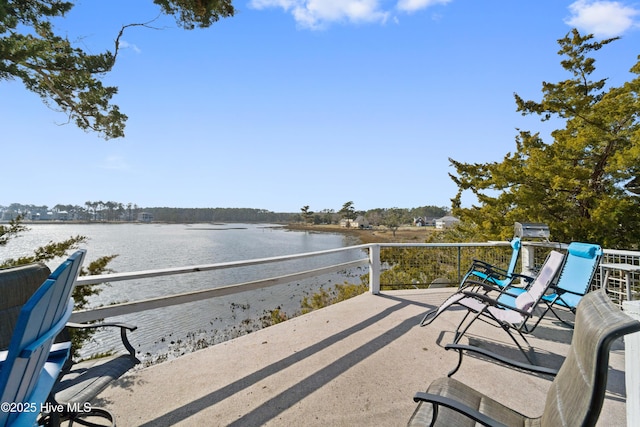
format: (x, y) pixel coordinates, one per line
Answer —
(528, 329)
(79, 418)
(429, 317)
(570, 325)
(454, 370)
(460, 333)
(531, 359)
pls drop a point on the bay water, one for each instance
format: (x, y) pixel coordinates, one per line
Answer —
(172, 331)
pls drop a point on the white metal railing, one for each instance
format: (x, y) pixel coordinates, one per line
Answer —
(623, 270)
(613, 258)
(176, 299)
(373, 261)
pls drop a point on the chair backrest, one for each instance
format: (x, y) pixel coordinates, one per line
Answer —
(41, 318)
(577, 392)
(516, 244)
(529, 299)
(580, 266)
(17, 284)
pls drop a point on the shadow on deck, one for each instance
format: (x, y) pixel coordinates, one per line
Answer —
(356, 363)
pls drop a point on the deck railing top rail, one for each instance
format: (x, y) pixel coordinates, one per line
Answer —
(375, 271)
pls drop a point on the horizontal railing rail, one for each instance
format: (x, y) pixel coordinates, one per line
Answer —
(186, 297)
(373, 261)
(376, 267)
(115, 277)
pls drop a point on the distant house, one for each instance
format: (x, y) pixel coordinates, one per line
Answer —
(61, 215)
(145, 217)
(446, 222)
(359, 222)
(424, 222)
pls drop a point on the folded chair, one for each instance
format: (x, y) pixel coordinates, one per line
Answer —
(488, 273)
(581, 262)
(486, 306)
(576, 394)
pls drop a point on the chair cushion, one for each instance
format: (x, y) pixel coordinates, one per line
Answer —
(583, 250)
(87, 379)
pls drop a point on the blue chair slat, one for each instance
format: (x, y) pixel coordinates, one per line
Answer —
(29, 370)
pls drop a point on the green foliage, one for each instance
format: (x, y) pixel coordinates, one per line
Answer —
(324, 298)
(348, 211)
(576, 183)
(42, 254)
(14, 229)
(393, 218)
(307, 215)
(66, 77)
(417, 266)
(276, 316)
(200, 13)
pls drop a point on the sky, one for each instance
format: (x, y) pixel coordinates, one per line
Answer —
(294, 103)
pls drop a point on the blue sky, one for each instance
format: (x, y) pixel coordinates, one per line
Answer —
(303, 102)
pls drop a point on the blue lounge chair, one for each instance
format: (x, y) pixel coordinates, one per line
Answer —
(29, 368)
(580, 266)
(488, 273)
(511, 316)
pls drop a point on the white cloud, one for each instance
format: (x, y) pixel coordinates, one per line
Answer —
(414, 5)
(318, 14)
(126, 45)
(602, 18)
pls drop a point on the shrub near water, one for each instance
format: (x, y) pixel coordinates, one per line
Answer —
(324, 298)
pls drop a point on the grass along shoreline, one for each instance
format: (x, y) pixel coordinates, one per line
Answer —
(405, 234)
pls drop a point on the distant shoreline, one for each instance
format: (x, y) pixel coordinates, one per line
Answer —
(404, 234)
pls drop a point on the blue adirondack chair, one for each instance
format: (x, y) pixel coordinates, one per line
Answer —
(29, 368)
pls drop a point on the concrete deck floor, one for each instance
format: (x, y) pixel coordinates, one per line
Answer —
(356, 363)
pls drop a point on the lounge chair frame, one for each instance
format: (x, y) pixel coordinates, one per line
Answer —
(488, 273)
(584, 373)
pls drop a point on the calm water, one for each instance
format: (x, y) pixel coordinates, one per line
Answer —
(176, 330)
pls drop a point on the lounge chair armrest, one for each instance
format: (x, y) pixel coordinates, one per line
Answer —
(100, 325)
(124, 327)
(493, 302)
(454, 405)
(524, 277)
(561, 291)
(60, 348)
(488, 269)
(476, 263)
(488, 287)
(514, 363)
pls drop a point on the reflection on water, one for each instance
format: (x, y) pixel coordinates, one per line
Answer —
(179, 329)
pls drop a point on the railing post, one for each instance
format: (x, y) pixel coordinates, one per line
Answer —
(632, 370)
(459, 265)
(374, 268)
(528, 260)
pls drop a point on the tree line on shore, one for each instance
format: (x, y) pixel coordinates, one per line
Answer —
(120, 212)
